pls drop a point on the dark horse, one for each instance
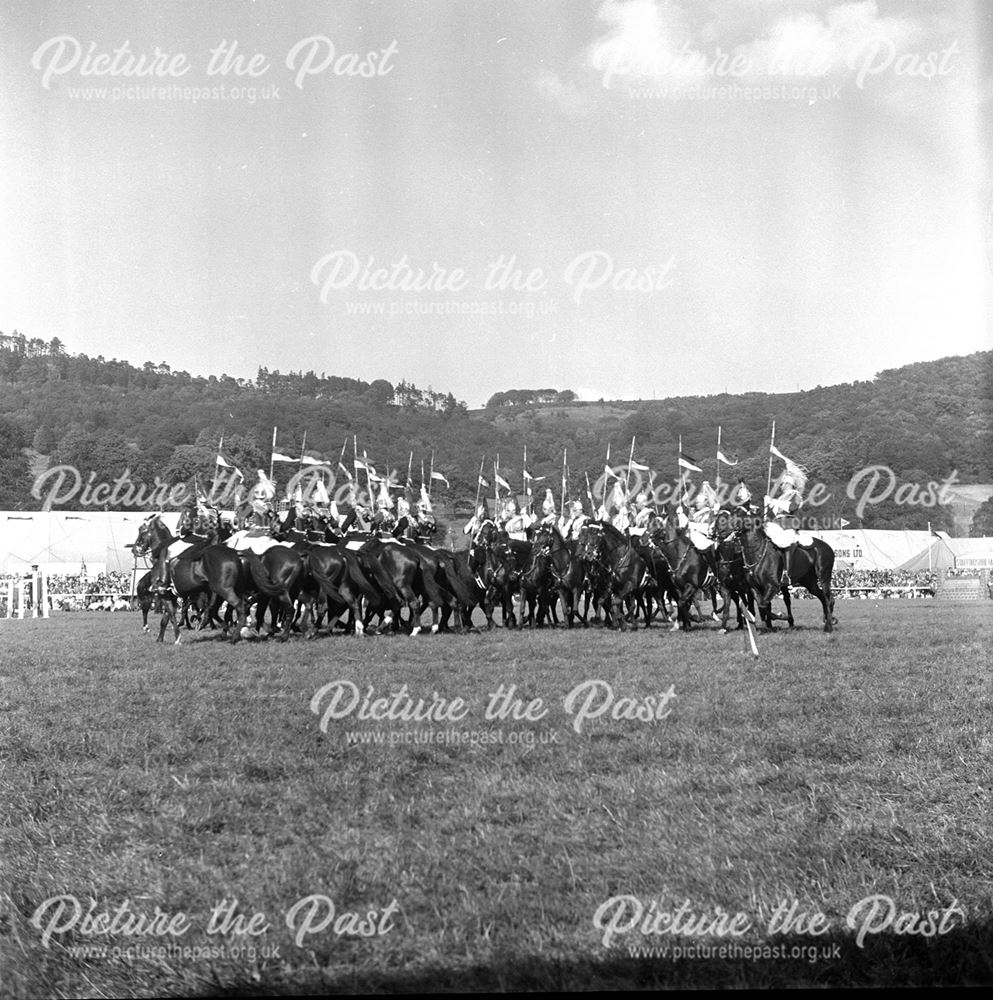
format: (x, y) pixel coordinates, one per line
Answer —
(565, 569)
(625, 571)
(691, 569)
(771, 570)
(201, 569)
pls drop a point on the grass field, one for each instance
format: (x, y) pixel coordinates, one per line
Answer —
(153, 783)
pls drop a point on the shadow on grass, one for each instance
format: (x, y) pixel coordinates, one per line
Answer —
(962, 957)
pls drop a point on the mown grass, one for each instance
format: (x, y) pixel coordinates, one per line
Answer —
(831, 768)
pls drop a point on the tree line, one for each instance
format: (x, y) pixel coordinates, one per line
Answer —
(923, 422)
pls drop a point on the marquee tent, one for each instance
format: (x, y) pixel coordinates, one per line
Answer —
(70, 537)
(865, 548)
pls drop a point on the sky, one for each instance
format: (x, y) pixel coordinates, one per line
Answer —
(629, 199)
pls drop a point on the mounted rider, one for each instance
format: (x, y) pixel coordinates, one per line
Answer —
(701, 517)
(476, 522)
(548, 518)
(571, 525)
(642, 515)
(425, 523)
(516, 522)
(260, 500)
(781, 510)
(742, 496)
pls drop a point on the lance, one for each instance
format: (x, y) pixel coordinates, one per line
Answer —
(682, 474)
(410, 461)
(772, 442)
(524, 472)
(717, 478)
(651, 489)
(562, 504)
(479, 482)
(431, 477)
(589, 494)
(273, 452)
(627, 475)
(496, 486)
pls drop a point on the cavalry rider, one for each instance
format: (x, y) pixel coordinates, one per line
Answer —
(571, 526)
(260, 498)
(548, 518)
(476, 522)
(622, 520)
(516, 523)
(426, 524)
(701, 516)
(642, 515)
(741, 497)
(780, 510)
(383, 520)
(403, 518)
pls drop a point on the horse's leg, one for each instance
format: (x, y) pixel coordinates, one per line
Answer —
(787, 600)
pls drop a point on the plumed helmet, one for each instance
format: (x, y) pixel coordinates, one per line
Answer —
(548, 504)
(576, 507)
(481, 511)
(787, 480)
(403, 507)
(641, 499)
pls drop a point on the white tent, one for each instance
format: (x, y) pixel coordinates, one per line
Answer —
(73, 537)
(864, 548)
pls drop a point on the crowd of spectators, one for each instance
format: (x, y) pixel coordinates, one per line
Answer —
(102, 592)
(79, 592)
(879, 584)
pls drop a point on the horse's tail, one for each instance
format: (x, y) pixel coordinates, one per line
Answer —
(327, 585)
(260, 575)
(358, 577)
(377, 573)
(459, 588)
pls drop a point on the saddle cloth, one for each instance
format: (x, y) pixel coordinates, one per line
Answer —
(177, 548)
(700, 541)
(783, 538)
(242, 541)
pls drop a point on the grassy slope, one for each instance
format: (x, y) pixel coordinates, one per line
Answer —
(832, 768)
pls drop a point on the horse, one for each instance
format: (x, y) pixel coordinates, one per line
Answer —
(732, 579)
(198, 569)
(537, 588)
(565, 569)
(689, 567)
(625, 571)
(771, 570)
(498, 562)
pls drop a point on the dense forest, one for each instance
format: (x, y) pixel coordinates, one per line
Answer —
(923, 422)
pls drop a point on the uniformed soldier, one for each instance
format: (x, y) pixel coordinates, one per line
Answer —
(572, 525)
(642, 514)
(781, 509)
(515, 522)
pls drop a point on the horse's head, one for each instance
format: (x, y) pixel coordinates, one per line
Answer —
(544, 537)
(590, 542)
(150, 535)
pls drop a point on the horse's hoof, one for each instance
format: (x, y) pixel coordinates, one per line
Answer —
(359, 628)
(179, 640)
(723, 631)
(434, 629)
(415, 630)
(144, 628)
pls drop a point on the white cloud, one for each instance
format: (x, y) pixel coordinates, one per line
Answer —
(652, 40)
